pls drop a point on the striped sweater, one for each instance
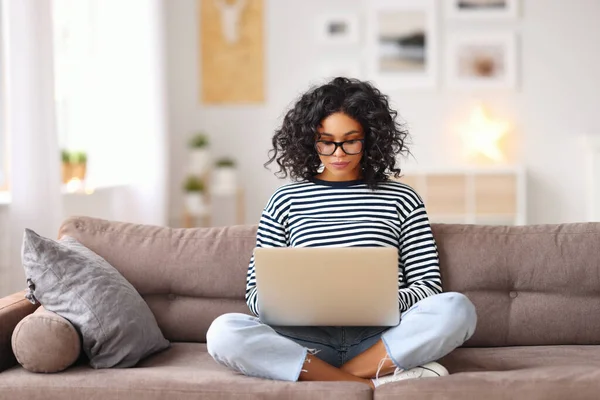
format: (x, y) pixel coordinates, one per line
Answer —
(318, 213)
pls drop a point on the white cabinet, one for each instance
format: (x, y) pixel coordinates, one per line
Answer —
(492, 196)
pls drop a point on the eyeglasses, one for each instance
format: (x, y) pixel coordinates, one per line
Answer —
(350, 147)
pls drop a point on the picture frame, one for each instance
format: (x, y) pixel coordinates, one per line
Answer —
(402, 43)
(481, 60)
(482, 9)
(337, 29)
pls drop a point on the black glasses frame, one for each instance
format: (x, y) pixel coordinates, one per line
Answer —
(340, 144)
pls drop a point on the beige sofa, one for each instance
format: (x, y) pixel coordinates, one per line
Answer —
(536, 289)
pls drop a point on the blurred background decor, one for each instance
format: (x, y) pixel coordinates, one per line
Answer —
(74, 165)
(199, 154)
(482, 9)
(481, 59)
(338, 29)
(225, 176)
(212, 193)
(402, 43)
(232, 51)
(194, 196)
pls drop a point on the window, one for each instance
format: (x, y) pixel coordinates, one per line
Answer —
(73, 71)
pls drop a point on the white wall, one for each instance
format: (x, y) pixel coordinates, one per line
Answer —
(556, 103)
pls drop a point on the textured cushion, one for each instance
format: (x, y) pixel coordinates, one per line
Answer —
(187, 276)
(471, 359)
(184, 372)
(525, 372)
(542, 383)
(196, 262)
(13, 309)
(45, 342)
(531, 285)
(117, 327)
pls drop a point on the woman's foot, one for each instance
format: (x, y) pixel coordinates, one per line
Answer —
(430, 370)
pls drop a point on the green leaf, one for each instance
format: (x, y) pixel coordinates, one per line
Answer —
(193, 184)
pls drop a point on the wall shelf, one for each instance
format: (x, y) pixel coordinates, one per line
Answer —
(222, 209)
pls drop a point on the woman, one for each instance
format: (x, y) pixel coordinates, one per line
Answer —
(339, 144)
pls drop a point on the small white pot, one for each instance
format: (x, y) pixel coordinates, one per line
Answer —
(194, 203)
(225, 180)
(199, 161)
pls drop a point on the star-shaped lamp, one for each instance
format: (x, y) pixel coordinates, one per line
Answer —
(481, 135)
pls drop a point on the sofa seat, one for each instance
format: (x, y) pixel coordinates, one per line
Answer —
(186, 371)
(471, 359)
(525, 372)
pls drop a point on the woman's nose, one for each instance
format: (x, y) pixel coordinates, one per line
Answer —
(339, 152)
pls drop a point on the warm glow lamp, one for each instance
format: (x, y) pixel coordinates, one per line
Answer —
(481, 135)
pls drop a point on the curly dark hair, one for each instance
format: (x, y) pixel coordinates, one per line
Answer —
(293, 144)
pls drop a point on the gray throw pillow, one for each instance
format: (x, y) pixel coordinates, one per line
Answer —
(116, 324)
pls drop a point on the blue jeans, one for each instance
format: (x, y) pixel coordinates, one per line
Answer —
(429, 330)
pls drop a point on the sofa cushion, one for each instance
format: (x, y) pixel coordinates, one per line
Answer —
(186, 318)
(579, 382)
(188, 276)
(196, 262)
(117, 327)
(519, 358)
(185, 371)
(45, 342)
(528, 372)
(531, 285)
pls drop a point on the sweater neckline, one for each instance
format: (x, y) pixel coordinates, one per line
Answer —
(337, 184)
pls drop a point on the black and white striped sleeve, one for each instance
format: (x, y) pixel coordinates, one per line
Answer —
(270, 233)
(419, 273)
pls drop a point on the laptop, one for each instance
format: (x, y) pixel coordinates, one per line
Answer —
(327, 286)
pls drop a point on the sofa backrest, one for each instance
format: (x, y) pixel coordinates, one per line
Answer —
(531, 285)
(188, 277)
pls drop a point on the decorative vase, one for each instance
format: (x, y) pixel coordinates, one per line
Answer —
(194, 203)
(199, 161)
(225, 180)
(78, 171)
(66, 172)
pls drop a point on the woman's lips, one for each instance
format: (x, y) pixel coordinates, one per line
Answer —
(340, 165)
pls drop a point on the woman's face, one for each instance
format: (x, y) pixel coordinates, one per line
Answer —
(340, 166)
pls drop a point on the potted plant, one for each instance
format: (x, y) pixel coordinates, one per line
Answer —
(194, 195)
(199, 157)
(78, 164)
(225, 176)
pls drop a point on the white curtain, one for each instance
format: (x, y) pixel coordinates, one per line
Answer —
(131, 128)
(30, 125)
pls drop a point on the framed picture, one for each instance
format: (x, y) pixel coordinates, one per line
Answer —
(337, 29)
(481, 60)
(232, 48)
(402, 43)
(482, 8)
